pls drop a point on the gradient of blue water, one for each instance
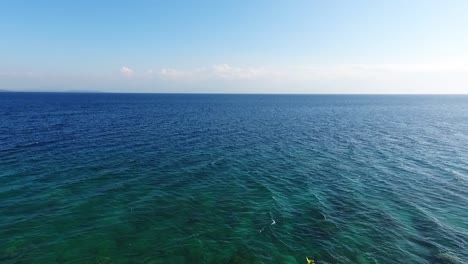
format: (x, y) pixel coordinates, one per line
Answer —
(147, 178)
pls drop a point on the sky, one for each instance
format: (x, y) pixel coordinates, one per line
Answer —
(235, 46)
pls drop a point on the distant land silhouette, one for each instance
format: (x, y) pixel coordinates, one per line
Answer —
(51, 91)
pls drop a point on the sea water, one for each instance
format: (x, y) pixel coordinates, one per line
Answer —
(167, 178)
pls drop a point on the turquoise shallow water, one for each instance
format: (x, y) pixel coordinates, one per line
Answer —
(122, 178)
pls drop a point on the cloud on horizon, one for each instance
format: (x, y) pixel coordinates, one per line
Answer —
(127, 72)
(437, 77)
(295, 74)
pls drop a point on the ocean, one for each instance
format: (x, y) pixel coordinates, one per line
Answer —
(187, 178)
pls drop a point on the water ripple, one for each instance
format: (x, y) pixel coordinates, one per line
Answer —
(233, 179)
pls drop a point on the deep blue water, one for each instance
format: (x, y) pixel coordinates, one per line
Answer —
(148, 178)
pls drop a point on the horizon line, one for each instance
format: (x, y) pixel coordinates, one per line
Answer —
(205, 93)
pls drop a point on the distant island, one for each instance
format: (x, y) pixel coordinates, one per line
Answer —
(46, 91)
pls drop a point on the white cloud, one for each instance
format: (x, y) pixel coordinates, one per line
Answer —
(176, 74)
(436, 77)
(431, 77)
(294, 74)
(127, 72)
(216, 72)
(227, 71)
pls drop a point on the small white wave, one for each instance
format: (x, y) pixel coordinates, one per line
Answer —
(458, 175)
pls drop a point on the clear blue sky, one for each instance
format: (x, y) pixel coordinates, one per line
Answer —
(417, 46)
